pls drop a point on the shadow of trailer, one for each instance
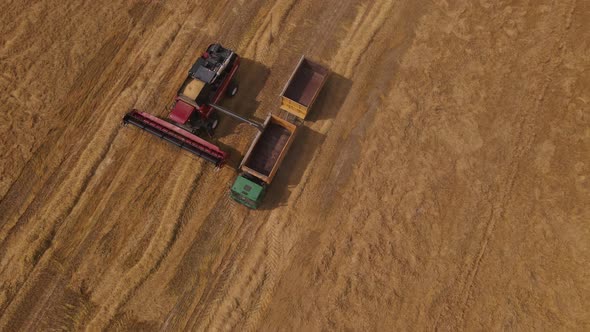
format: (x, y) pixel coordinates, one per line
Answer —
(308, 142)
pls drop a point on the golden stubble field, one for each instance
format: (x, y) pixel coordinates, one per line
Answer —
(441, 181)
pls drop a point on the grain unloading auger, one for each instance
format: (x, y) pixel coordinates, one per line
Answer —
(193, 112)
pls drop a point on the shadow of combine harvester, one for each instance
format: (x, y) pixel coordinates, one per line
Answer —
(252, 77)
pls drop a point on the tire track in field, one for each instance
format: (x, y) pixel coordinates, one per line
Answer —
(526, 137)
(274, 245)
(251, 262)
(188, 209)
(527, 133)
(214, 291)
(218, 297)
(222, 222)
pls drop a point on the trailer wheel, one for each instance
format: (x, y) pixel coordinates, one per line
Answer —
(232, 89)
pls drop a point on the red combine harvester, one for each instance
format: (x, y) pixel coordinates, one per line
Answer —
(209, 79)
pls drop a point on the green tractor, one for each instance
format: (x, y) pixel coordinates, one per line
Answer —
(248, 190)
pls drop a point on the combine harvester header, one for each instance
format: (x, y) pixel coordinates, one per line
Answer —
(177, 136)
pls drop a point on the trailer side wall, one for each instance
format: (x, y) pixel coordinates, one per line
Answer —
(268, 149)
(303, 87)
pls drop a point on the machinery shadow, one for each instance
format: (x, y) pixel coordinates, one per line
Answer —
(251, 78)
(302, 150)
(306, 142)
(330, 99)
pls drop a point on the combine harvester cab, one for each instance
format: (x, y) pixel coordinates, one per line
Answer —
(210, 78)
(270, 146)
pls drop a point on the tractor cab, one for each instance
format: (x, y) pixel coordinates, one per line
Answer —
(248, 190)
